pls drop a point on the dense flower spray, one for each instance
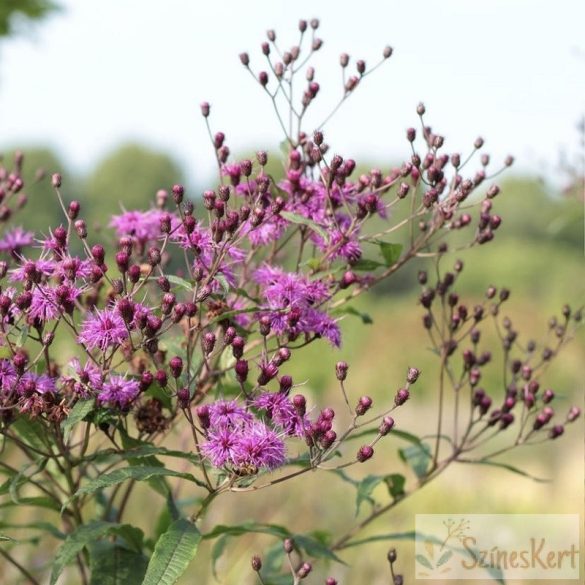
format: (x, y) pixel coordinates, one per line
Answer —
(107, 352)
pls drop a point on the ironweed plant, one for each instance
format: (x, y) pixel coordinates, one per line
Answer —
(188, 321)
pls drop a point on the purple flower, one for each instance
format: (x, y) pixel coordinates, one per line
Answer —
(44, 305)
(291, 301)
(16, 239)
(142, 225)
(47, 302)
(73, 267)
(280, 410)
(89, 374)
(118, 392)
(103, 329)
(227, 413)
(40, 267)
(31, 382)
(7, 376)
(259, 446)
(220, 445)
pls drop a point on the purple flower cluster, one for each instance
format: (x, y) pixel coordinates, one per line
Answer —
(103, 329)
(237, 440)
(291, 304)
(143, 226)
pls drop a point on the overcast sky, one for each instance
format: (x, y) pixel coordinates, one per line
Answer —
(102, 72)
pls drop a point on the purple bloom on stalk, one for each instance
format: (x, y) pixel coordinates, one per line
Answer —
(227, 413)
(42, 267)
(44, 305)
(280, 410)
(220, 445)
(73, 268)
(48, 302)
(291, 299)
(268, 231)
(42, 384)
(142, 225)
(103, 329)
(118, 392)
(16, 239)
(7, 375)
(89, 374)
(259, 446)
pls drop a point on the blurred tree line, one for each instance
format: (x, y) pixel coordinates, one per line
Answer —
(15, 13)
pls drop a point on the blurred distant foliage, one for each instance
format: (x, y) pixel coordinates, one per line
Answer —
(128, 178)
(39, 164)
(13, 12)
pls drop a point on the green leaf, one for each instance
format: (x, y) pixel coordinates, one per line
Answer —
(216, 553)
(390, 252)
(111, 564)
(313, 544)
(34, 502)
(363, 264)
(155, 391)
(81, 409)
(225, 285)
(82, 537)
(21, 339)
(300, 220)
(395, 483)
(44, 526)
(31, 431)
(178, 281)
(417, 457)
(366, 319)
(313, 263)
(364, 490)
(22, 478)
(382, 537)
(393, 433)
(173, 552)
(506, 466)
(136, 473)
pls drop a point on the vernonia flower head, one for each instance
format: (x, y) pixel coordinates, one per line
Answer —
(259, 446)
(15, 240)
(118, 392)
(103, 329)
(281, 412)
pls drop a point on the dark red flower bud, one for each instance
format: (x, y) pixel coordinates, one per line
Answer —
(401, 396)
(364, 453)
(176, 366)
(341, 370)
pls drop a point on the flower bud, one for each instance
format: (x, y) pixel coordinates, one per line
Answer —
(242, 370)
(364, 404)
(341, 371)
(256, 563)
(401, 396)
(304, 571)
(412, 376)
(176, 366)
(386, 425)
(364, 453)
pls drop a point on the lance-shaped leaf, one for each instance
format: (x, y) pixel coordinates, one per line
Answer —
(173, 552)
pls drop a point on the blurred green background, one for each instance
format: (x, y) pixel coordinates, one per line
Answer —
(538, 254)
